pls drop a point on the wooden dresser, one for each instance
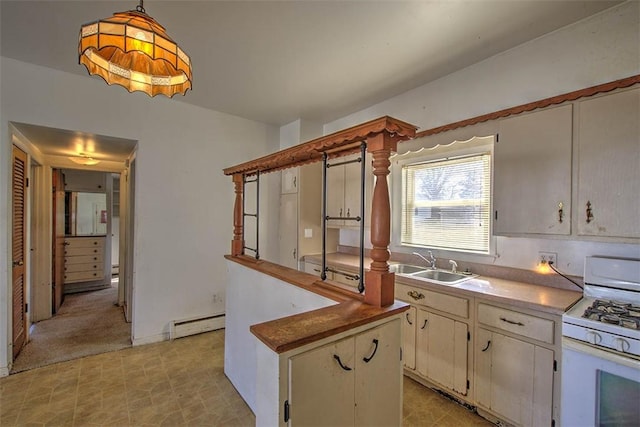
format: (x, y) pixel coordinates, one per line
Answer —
(84, 259)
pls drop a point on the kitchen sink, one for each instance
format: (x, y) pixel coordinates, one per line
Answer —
(405, 269)
(422, 273)
(441, 276)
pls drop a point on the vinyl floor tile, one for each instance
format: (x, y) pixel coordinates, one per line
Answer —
(173, 383)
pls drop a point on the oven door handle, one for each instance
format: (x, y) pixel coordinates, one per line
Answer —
(609, 355)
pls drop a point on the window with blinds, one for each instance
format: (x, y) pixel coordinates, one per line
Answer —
(446, 203)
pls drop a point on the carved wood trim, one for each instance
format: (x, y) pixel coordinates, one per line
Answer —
(338, 143)
(571, 96)
(237, 244)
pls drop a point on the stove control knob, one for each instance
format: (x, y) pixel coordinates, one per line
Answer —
(621, 344)
(593, 337)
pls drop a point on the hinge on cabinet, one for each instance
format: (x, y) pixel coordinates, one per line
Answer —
(468, 385)
(27, 182)
(496, 215)
(401, 354)
(468, 336)
(555, 366)
(286, 411)
(26, 308)
(497, 137)
(553, 423)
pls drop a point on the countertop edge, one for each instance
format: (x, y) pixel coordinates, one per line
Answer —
(290, 332)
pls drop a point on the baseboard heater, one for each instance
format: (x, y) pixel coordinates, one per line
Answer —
(195, 325)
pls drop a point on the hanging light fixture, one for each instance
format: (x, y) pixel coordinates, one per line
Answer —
(132, 50)
(85, 160)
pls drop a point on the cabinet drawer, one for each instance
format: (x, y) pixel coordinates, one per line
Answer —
(69, 251)
(83, 259)
(92, 266)
(346, 280)
(443, 302)
(83, 276)
(516, 322)
(85, 243)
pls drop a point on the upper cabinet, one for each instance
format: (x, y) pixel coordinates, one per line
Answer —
(344, 191)
(532, 173)
(608, 152)
(289, 181)
(585, 155)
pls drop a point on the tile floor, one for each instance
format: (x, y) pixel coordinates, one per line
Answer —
(166, 384)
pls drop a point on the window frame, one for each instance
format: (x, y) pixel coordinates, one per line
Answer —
(456, 149)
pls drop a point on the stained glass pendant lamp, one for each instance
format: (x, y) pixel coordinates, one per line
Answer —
(132, 50)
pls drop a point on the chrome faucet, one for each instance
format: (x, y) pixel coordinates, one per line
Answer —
(454, 266)
(431, 260)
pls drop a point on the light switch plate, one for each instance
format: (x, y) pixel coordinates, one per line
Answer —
(308, 233)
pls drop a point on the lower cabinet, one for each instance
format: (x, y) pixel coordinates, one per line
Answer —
(409, 338)
(358, 378)
(514, 375)
(441, 350)
(435, 344)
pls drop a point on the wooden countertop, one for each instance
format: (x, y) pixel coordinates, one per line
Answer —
(290, 332)
(295, 331)
(518, 294)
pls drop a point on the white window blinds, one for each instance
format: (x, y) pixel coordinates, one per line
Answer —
(446, 203)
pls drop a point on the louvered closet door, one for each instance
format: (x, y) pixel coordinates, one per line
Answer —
(19, 159)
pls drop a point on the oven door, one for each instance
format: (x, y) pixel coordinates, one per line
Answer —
(599, 387)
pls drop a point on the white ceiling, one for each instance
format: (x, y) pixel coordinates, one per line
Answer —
(276, 62)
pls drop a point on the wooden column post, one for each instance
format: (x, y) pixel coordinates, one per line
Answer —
(237, 244)
(379, 282)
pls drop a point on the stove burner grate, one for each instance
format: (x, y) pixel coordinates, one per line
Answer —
(614, 312)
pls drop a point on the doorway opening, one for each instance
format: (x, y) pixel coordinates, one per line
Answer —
(78, 289)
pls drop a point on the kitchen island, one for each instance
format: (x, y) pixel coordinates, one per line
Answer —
(301, 350)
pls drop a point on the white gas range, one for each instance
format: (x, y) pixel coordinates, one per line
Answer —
(601, 347)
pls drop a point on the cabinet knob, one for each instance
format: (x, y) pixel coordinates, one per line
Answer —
(560, 212)
(416, 295)
(589, 212)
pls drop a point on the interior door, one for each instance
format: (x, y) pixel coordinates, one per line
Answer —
(19, 162)
(58, 240)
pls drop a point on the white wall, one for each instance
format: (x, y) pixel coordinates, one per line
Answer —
(252, 298)
(600, 49)
(184, 203)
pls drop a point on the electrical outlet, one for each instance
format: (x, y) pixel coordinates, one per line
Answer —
(548, 257)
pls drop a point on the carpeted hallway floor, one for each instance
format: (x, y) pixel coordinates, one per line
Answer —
(88, 323)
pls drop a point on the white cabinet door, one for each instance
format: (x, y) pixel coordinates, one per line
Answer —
(289, 181)
(441, 350)
(321, 392)
(609, 165)
(409, 338)
(289, 230)
(378, 376)
(344, 191)
(349, 382)
(335, 194)
(532, 173)
(422, 342)
(514, 379)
